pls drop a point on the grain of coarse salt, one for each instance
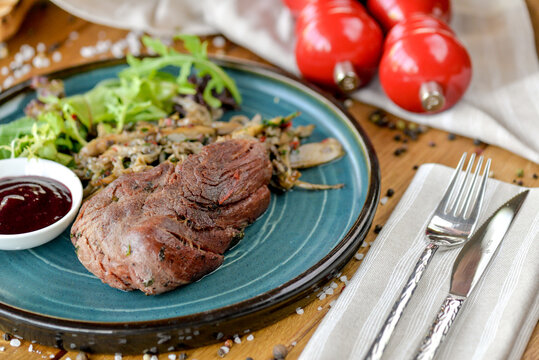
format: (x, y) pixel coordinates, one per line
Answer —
(348, 103)
(383, 200)
(15, 342)
(2, 348)
(319, 308)
(56, 56)
(30, 348)
(172, 356)
(299, 311)
(237, 340)
(154, 357)
(250, 337)
(218, 41)
(322, 296)
(4, 71)
(87, 51)
(332, 303)
(117, 356)
(333, 285)
(359, 256)
(41, 47)
(8, 82)
(73, 35)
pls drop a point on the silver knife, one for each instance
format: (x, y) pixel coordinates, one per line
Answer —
(470, 264)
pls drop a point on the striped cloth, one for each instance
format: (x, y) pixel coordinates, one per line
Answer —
(497, 319)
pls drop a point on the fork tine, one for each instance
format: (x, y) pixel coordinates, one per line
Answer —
(444, 203)
(480, 195)
(460, 195)
(472, 190)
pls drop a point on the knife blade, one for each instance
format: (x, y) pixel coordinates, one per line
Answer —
(468, 268)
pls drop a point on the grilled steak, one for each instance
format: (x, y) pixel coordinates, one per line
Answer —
(169, 226)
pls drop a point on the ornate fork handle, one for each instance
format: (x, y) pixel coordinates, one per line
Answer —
(382, 339)
(440, 327)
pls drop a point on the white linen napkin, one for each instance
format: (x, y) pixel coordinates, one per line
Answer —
(499, 108)
(495, 322)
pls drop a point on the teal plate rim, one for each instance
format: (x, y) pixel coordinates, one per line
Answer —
(211, 326)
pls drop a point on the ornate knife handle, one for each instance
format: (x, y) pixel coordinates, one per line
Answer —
(440, 327)
(382, 339)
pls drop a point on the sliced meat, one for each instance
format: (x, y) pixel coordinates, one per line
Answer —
(170, 225)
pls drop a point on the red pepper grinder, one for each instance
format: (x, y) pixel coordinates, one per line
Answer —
(424, 68)
(390, 12)
(338, 43)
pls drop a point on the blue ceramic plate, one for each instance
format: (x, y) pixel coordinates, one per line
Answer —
(302, 239)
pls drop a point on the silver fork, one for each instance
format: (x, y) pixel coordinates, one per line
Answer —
(452, 223)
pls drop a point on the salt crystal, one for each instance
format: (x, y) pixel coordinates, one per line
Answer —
(218, 41)
(322, 297)
(172, 356)
(224, 349)
(319, 308)
(102, 34)
(359, 256)
(250, 337)
(4, 52)
(102, 46)
(52, 356)
(27, 52)
(348, 103)
(246, 331)
(383, 200)
(299, 311)
(15, 342)
(2, 348)
(73, 35)
(343, 278)
(154, 357)
(41, 47)
(332, 303)
(364, 244)
(56, 56)
(334, 285)
(30, 348)
(19, 57)
(8, 82)
(4, 71)
(87, 51)
(237, 340)
(293, 343)
(117, 356)
(329, 291)
(17, 74)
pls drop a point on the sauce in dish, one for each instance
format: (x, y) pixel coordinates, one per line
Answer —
(29, 203)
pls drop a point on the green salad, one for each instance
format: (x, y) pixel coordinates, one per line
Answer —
(55, 127)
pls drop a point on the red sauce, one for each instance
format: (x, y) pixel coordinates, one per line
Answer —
(29, 203)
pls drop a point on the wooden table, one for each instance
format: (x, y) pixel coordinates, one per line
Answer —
(65, 34)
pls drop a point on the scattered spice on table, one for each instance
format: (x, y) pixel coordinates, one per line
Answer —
(415, 167)
(400, 150)
(477, 142)
(390, 192)
(520, 173)
(432, 144)
(223, 351)
(377, 228)
(535, 176)
(451, 137)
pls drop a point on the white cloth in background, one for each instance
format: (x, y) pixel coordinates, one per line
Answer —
(501, 107)
(495, 322)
